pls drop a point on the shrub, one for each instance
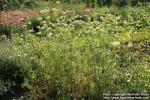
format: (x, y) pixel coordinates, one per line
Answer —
(3, 6)
(34, 25)
(104, 3)
(93, 3)
(18, 3)
(11, 76)
(6, 30)
(134, 2)
(121, 3)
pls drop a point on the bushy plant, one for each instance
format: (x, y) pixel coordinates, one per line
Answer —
(34, 25)
(6, 30)
(134, 2)
(3, 6)
(101, 3)
(18, 3)
(11, 76)
(121, 3)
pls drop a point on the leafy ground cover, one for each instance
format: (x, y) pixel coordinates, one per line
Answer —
(70, 54)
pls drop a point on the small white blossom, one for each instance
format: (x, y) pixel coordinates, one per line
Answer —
(19, 55)
(57, 2)
(128, 80)
(128, 74)
(39, 18)
(130, 45)
(25, 26)
(54, 9)
(115, 43)
(32, 58)
(21, 35)
(44, 11)
(10, 57)
(29, 23)
(39, 33)
(25, 54)
(48, 18)
(31, 30)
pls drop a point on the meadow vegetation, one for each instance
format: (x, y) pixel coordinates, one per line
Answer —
(73, 54)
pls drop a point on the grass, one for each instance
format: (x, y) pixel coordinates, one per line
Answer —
(78, 55)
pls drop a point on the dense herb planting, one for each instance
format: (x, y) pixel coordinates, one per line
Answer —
(67, 54)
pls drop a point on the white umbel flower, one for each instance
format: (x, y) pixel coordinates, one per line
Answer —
(115, 43)
(57, 2)
(130, 45)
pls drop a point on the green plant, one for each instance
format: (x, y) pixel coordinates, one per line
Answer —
(74, 55)
(121, 3)
(34, 25)
(17, 3)
(134, 2)
(11, 76)
(6, 30)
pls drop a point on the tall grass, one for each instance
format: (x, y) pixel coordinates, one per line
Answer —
(101, 3)
(75, 55)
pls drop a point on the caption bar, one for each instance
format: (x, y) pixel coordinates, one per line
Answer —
(124, 96)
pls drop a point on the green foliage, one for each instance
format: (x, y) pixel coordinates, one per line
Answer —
(11, 75)
(68, 54)
(121, 3)
(34, 25)
(93, 3)
(100, 3)
(6, 30)
(3, 6)
(18, 3)
(134, 2)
